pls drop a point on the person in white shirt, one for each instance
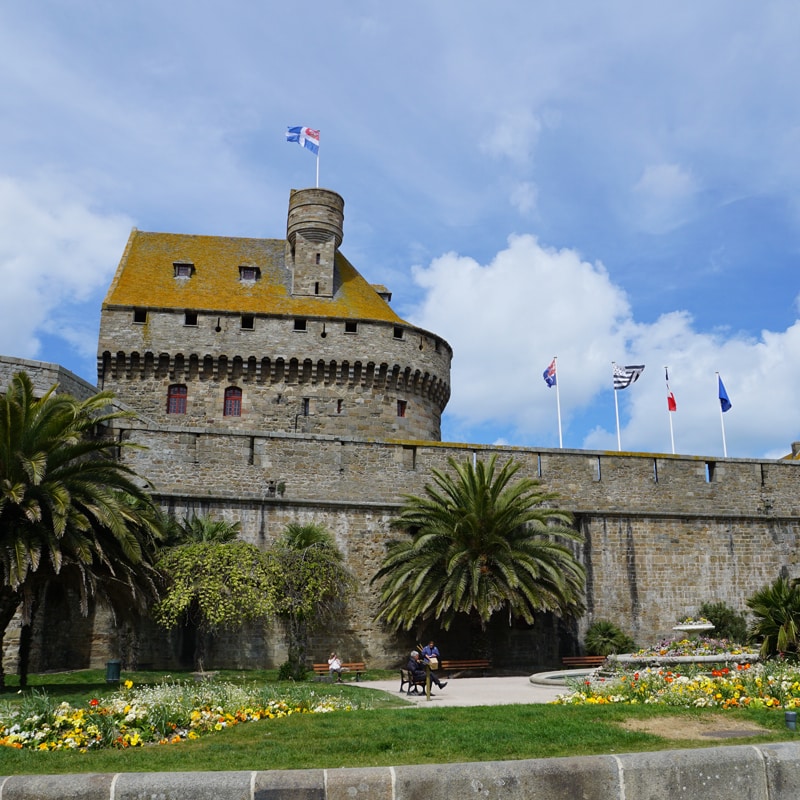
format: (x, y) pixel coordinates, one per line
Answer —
(335, 666)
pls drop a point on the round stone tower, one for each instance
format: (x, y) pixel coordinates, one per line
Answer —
(268, 335)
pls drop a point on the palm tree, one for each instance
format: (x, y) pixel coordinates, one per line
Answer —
(207, 529)
(310, 583)
(69, 511)
(777, 618)
(479, 542)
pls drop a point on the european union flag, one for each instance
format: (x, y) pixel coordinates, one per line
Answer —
(724, 400)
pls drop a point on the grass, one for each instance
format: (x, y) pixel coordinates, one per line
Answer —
(391, 733)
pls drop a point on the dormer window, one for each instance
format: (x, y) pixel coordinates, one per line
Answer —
(183, 269)
(249, 274)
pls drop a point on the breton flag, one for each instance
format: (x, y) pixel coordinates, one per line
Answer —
(625, 376)
(724, 401)
(549, 374)
(305, 137)
(671, 404)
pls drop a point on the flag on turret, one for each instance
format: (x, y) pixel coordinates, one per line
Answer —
(305, 137)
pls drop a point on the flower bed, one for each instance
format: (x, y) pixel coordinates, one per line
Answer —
(699, 646)
(770, 685)
(165, 714)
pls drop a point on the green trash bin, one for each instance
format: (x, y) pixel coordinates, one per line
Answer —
(113, 669)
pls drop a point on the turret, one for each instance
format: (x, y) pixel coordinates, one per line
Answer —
(314, 232)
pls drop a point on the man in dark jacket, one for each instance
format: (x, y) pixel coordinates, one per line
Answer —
(417, 670)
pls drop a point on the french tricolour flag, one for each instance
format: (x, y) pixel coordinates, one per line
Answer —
(305, 137)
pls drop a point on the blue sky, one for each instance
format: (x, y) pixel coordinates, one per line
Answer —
(600, 182)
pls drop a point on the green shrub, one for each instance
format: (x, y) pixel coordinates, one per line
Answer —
(728, 623)
(604, 638)
(291, 672)
(776, 609)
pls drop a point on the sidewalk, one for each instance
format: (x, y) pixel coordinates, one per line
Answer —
(475, 692)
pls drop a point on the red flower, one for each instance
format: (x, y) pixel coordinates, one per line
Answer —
(94, 702)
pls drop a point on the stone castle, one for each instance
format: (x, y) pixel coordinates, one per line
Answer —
(274, 384)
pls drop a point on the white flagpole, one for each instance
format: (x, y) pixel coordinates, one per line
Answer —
(558, 403)
(616, 406)
(669, 413)
(317, 167)
(721, 420)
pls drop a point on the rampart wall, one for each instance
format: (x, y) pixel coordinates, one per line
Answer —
(662, 533)
(44, 375)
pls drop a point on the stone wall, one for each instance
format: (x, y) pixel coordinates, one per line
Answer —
(662, 533)
(43, 376)
(320, 379)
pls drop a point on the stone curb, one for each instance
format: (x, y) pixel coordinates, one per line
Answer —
(757, 772)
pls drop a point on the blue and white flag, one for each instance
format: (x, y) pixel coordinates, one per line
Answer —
(305, 137)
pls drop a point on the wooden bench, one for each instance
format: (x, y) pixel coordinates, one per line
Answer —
(323, 671)
(577, 662)
(464, 665)
(407, 677)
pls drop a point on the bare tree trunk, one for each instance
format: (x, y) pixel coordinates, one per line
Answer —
(23, 662)
(297, 646)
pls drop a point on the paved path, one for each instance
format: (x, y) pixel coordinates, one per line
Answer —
(475, 692)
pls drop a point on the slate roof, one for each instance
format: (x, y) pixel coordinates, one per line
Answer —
(145, 278)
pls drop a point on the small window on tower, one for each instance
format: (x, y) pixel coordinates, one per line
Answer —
(190, 318)
(250, 274)
(176, 399)
(317, 258)
(248, 322)
(350, 326)
(233, 402)
(401, 408)
(140, 315)
(300, 324)
(183, 269)
(398, 332)
(339, 405)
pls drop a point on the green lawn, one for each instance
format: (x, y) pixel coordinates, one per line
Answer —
(390, 733)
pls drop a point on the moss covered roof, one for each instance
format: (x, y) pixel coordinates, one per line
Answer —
(145, 278)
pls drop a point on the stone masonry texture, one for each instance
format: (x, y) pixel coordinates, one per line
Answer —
(339, 420)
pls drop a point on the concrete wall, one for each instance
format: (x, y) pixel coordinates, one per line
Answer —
(754, 772)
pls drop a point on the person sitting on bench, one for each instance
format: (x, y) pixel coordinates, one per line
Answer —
(417, 670)
(335, 665)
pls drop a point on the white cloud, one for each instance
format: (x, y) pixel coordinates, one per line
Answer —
(54, 251)
(507, 319)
